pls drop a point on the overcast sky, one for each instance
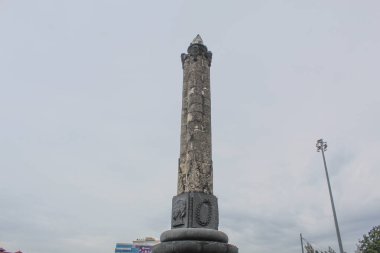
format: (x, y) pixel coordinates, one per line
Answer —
(90, 101)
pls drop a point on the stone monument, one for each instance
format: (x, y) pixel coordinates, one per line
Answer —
(195, 217)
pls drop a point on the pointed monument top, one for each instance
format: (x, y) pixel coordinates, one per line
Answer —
(197, 40)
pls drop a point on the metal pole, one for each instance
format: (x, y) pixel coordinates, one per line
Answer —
(301, 242)
(323, 146)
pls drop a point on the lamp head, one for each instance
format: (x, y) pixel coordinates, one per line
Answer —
(321, 145)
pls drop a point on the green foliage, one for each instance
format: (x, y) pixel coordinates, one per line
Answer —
(371, 242)
(309, 248)
(330, 250)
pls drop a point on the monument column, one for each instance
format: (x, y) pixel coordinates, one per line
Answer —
(195, 217)
(195, 162)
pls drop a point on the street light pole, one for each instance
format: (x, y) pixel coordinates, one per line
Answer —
(322, 146)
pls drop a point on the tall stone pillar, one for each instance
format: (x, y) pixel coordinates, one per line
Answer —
(195, 217)
(195, 162)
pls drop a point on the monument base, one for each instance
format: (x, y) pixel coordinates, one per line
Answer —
(194, 240)
(195, 210)
(194, 247)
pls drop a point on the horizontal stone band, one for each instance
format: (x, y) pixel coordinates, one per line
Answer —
(198, 234)
(194, 247)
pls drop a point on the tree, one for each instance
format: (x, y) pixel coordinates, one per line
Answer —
(309, 248)
(371, 242)
(330, 250)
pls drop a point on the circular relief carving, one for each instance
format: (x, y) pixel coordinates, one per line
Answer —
(200, 216)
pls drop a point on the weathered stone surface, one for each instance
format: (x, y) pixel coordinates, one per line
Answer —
(195, 162)
(197, 234)
(195, 216)
(194, 247)
(195, 210)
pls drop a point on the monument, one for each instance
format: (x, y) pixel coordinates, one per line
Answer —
(195, 217)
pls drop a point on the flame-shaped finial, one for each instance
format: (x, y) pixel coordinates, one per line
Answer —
(197, 40)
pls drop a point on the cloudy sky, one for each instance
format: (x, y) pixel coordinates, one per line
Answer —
(90, 96)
